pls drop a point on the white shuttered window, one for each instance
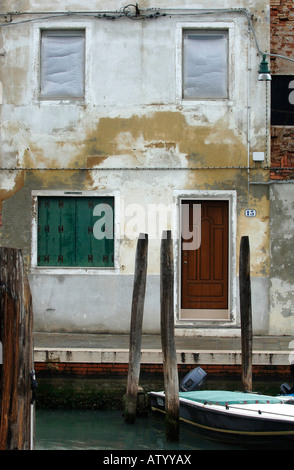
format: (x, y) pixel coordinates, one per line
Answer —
(62, 64)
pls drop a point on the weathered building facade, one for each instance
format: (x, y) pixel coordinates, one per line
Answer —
(123, 119)
(282, 168)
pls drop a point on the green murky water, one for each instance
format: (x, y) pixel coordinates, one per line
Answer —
(106, 430)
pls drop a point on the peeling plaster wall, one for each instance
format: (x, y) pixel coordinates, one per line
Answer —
(131, 133)
(282, 277)
(282, 184)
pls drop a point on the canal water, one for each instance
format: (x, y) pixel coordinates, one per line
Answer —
(106, 430)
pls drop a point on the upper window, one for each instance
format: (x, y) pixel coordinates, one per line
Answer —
(205, 64)
(62, 64)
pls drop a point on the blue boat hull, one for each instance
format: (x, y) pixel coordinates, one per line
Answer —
(226, 426)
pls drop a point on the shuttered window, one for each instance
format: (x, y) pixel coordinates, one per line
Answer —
(205, 64)
(76, 231)
(62, 64)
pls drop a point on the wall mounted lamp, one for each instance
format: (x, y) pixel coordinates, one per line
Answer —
(264, 73)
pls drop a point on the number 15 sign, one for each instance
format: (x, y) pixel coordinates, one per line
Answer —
(250, 213)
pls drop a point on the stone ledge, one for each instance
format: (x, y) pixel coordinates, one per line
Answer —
(154, 356)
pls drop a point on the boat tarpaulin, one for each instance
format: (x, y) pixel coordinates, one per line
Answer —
(228, 398)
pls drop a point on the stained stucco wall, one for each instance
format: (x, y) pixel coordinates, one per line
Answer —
(282, 223)
(133, 134)
(282, 183)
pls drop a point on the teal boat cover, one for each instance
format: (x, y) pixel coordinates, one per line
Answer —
(222, 397)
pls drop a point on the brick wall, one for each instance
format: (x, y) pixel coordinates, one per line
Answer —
(55, 369)
(282, 152)
(282, 43)
(282, 33)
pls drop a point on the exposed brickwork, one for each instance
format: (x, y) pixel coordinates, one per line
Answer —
(282, 43)
(121, 370)
(282, 166)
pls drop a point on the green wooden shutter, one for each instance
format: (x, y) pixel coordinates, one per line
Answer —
(93, 251)
(56, 231)
(109, 236)
(66, 232)
(43, 231)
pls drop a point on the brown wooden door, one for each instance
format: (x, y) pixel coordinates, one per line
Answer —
(205, 269)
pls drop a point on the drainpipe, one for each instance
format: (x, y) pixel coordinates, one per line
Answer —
(248, 109)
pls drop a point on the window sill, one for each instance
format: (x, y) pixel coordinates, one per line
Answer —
(59, 101)
(206, 102)
(73, 271)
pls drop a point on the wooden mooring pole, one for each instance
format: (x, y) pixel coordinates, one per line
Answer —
(246, 313)
(170, 369)
(16, 326)
(130, 399)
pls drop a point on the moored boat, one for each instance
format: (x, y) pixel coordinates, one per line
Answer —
(235, 417)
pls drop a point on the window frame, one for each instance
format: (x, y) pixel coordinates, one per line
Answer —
(231, 197)
(190, 34)
(35, 268)
(66, 32)
(59, 25)
(214, 27)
